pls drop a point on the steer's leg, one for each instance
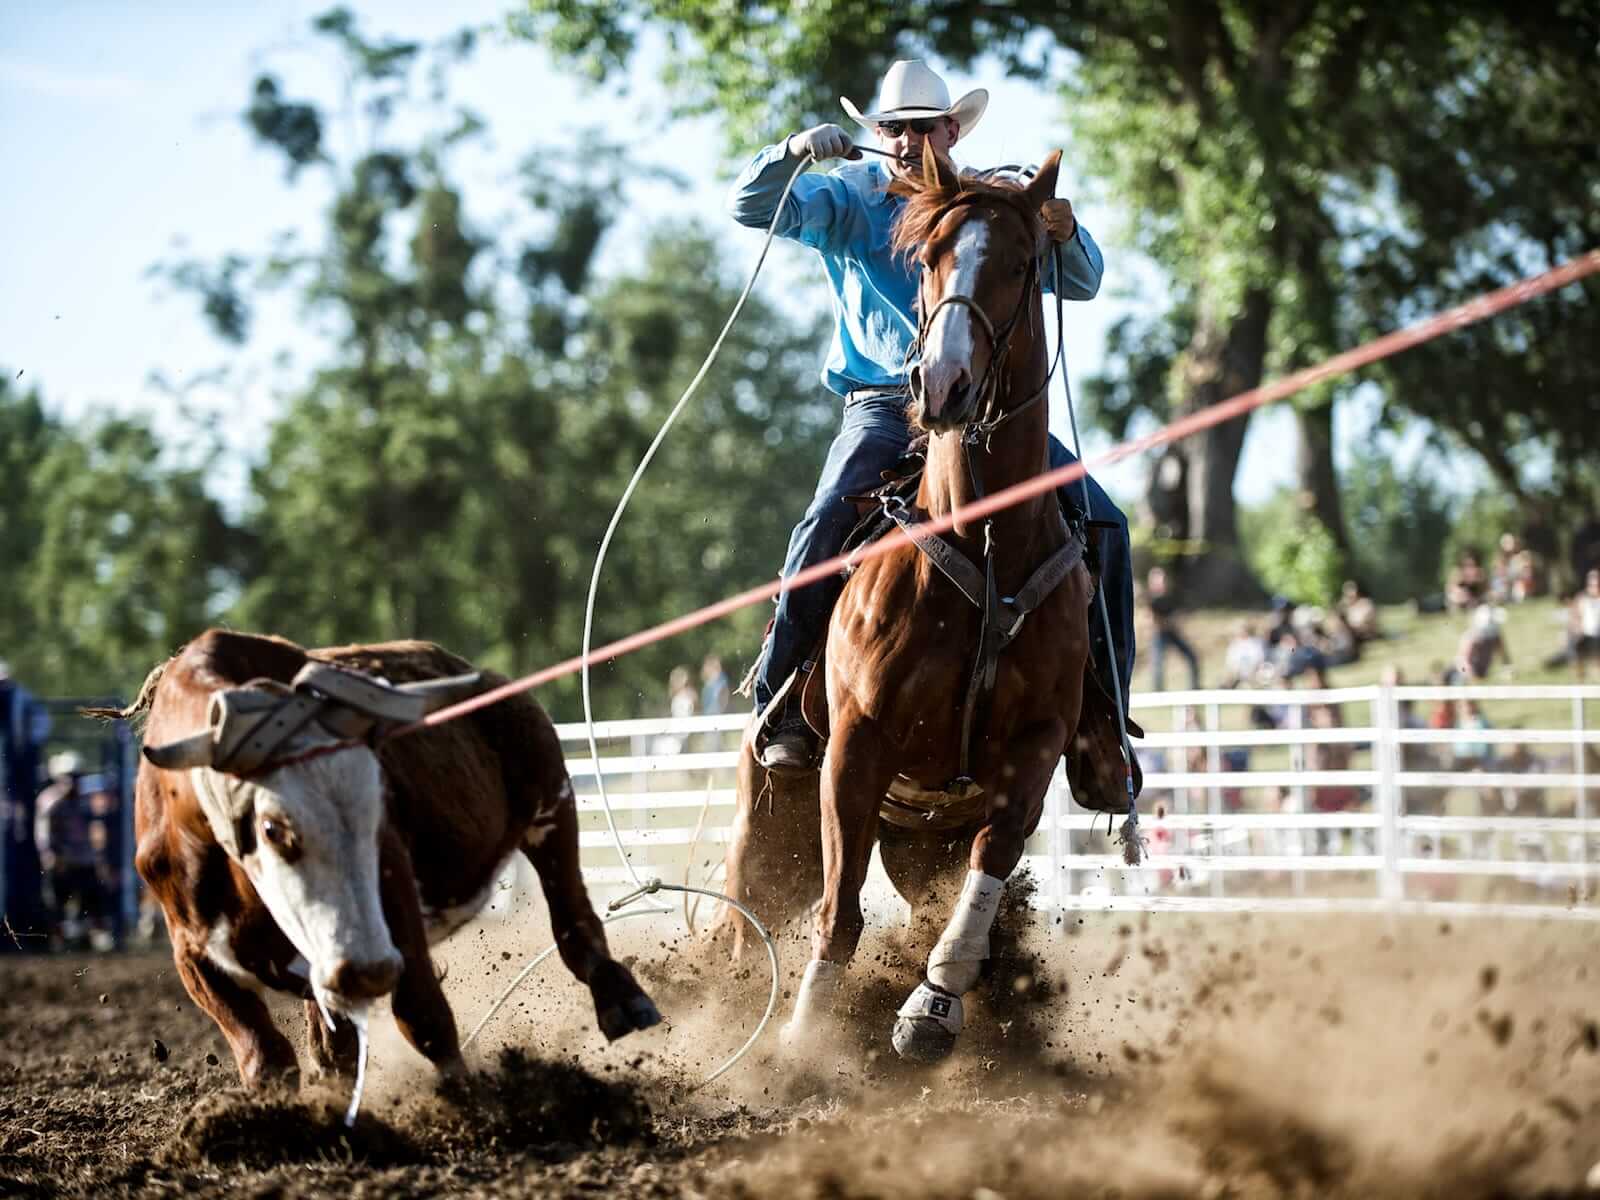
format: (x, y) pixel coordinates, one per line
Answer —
(551, 845)
(420, 1008)
(855, 774)
(931, 1017)
(263, 1055)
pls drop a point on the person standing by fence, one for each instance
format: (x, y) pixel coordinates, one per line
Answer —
(1586, 624)
(1164, 622)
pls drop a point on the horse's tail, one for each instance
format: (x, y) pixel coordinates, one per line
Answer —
(141, 704)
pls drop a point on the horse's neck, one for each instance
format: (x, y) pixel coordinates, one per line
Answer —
(1018, 450)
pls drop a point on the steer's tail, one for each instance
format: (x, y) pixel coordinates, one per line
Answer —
(141, 704)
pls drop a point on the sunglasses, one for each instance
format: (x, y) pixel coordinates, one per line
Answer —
(922, 125)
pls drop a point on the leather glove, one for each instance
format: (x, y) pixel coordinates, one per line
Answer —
(823, 142)
(1059, 222)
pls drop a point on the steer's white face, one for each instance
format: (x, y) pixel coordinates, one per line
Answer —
(308, 840)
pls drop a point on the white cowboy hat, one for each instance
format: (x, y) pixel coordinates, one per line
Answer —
(911, 90)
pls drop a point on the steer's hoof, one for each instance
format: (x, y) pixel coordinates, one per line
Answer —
(922, 1040)
(620, 1005)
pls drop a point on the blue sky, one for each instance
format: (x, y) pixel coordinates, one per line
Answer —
(120, 132)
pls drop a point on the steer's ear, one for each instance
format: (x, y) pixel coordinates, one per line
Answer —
(1042, 186)
(197, 750)
(436, 693)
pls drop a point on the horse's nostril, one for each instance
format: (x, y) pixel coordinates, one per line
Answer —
(959, 395)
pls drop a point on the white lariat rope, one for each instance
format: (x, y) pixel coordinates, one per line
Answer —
(644, 889)
(655, 885)
(1128, 837)
(358, 1017)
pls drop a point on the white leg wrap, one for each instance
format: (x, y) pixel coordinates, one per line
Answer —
(818, 987)
(941, 1007)
(964, 944)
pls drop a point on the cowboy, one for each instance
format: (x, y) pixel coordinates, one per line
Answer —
(847, 215)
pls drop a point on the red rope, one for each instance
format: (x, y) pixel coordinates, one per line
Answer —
(1458, 317)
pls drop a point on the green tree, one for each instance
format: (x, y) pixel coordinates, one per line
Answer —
(1257, 149)
(113, 552)
(448, 470)
(1400, 525)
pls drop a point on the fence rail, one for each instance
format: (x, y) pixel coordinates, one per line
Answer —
(1268, 800)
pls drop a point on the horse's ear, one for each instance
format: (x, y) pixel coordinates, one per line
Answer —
(938, 172)
(1042, 186)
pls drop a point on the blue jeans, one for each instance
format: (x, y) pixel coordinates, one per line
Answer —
(1171, 639)
(872, 437)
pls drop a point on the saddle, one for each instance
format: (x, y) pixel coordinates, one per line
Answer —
(1094, 760)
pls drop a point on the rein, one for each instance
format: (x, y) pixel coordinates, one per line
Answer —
(1001, 617)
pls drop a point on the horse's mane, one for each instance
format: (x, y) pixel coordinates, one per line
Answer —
(926, 198)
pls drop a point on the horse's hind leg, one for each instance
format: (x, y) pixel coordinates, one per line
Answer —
(774, 861)
(927, 870)
(932, 1016)
(551, 845)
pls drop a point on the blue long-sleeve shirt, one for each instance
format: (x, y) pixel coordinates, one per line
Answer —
(847, 215)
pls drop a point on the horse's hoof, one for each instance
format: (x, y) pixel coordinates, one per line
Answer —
(922, 1040)
(635, 1014)
(620, 1005)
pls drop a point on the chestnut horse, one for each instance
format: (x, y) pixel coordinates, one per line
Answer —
(906, 756)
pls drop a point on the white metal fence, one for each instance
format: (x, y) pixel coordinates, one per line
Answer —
(1340, 798)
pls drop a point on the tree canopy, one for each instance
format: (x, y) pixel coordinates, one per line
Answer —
(445, 469)
(1305, 174)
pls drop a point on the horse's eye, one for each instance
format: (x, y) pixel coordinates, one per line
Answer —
(280, 835)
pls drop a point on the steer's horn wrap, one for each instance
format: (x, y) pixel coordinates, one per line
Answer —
(377, 698)
(437, 693)
(196, 750)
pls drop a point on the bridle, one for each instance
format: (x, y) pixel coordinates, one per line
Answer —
(987, 415)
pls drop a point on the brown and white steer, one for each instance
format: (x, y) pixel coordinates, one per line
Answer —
(288, 854)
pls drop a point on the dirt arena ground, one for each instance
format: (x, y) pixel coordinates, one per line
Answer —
(1168, 1056)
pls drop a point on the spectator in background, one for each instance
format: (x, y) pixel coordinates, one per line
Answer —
(681, 702)
(1467, 583)
(1500, 569)
(1527, 575)
(1443, 715)
(1164, 620)
(1482, 643)
(681, 698)
(72, 848)
(1244, 663)
(1584, 628)
(1331, 633)
(1476, 754)
(1282, 621)
(1329, 756)
(1295, 658)
(1359, 610)
(715, 689)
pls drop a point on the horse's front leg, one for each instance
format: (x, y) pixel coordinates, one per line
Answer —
(927, 1024)
(855, 775)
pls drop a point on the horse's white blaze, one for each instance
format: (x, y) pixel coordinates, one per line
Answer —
(950, 339)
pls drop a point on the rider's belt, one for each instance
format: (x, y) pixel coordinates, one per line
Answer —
(855, 395)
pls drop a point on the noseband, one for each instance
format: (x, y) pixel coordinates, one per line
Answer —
(986, 417)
